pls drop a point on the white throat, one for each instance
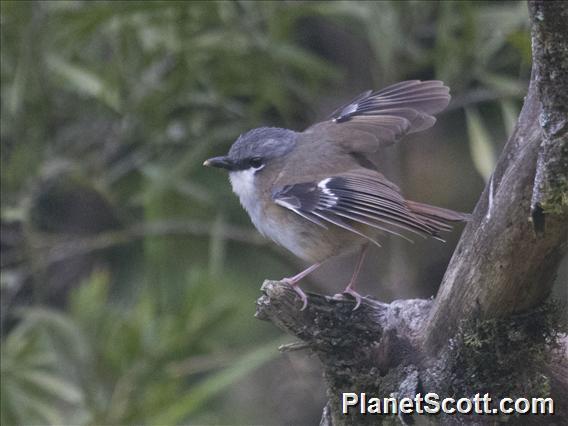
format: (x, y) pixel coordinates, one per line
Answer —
(243, 183)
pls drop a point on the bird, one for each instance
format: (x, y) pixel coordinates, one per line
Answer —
(317, 192)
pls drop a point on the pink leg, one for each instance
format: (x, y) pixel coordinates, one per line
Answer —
(350, 289)
(293, 281)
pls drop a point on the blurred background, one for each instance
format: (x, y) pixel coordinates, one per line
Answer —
(129, 273)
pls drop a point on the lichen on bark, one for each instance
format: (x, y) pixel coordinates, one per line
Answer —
(507, 357)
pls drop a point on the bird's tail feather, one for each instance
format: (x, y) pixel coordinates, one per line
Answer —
(437, 217)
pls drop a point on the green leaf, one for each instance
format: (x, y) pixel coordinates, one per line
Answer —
(19, 406)
(217, 247)
(63, 333)
(50, 383)
(193, 400)
(522, 42)
(84, 81)
(510, 113)
(88, 301)
(481, 147)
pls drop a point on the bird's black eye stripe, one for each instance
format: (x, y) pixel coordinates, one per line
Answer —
(255, 162)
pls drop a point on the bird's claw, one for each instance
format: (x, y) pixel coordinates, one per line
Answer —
(358, 298)
(299, 291)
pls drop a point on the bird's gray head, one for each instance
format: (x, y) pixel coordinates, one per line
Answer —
(256, 149)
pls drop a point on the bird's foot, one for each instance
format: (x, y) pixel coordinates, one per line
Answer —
(298, 290)
(353, 294)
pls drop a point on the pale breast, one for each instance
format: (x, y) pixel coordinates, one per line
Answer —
(306, 240)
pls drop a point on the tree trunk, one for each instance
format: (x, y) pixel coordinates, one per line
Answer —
(490, 329)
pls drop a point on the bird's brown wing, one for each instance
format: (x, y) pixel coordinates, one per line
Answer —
(365, 197)
(380, 118)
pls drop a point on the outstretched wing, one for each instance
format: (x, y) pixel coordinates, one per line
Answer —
(380, 118)
(363, 197)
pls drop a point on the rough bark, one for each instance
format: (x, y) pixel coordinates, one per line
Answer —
(550, 193)
(488, 329)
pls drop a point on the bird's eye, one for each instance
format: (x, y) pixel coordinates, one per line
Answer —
(256, 162)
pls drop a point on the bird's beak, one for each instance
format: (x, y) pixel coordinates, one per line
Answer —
(220, 162)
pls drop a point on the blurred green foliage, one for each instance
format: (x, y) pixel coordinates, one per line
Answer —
(103, 364)
(109, 109)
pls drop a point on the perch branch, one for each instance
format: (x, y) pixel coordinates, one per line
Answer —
(355, 347)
